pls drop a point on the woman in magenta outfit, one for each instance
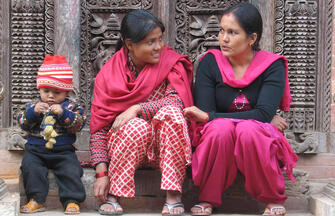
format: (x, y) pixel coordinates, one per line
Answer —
(237, 92)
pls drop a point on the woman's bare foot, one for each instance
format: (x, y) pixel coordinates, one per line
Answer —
(173, 203)
(108, 207)
(202, 208)
(274, 209)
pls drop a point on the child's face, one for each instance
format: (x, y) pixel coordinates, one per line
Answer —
(52, 96)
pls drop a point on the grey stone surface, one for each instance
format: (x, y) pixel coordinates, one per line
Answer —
(323, 204)
(10, 205)
(3, 189)
(149, 197)
(331, 142)
(3, 138)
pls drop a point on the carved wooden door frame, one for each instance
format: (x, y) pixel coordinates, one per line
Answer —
(26, 28)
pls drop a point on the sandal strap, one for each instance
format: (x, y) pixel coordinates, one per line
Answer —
(271, 210)
(72, 205)
(114, 204)
(32, 206)
(201, 207)
(174, 205)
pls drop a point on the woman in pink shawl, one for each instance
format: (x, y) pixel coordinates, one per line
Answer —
(237, 92)
(137, 115)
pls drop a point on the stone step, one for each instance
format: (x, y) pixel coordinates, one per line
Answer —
(12, 184)
(10, 204)
(323, 204)
(149, 198)
(90, 213)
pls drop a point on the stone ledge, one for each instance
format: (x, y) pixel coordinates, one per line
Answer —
(10, 205)
(149, 197)
(323, 204)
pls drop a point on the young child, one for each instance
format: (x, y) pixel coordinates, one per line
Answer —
(54, 81)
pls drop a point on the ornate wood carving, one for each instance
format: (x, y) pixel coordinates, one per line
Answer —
(100, 25)
(197, 26)
(17, 139)
(303, 31)
(2, 91)
(2, 87)
(31, 38)
(325, 65)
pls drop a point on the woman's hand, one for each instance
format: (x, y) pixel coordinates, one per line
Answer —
(279, 122)
(101, 188)
(195, 114)
(125, 116)
(101, 185)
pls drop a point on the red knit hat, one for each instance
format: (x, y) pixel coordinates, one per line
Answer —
(55, 73)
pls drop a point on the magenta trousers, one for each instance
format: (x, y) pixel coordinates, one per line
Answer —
(227, 146)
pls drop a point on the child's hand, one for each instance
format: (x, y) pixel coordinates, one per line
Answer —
(56, 109)
(41, 107)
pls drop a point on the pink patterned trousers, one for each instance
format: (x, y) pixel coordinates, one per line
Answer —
(163, 143)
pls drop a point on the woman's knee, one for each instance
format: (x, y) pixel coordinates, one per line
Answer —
(137, 127)
(219, 129)
(245, 132)
(173, 112)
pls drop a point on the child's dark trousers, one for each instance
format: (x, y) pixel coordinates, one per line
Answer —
(66, 167)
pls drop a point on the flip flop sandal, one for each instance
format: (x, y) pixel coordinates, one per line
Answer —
(203, 209)
(172, 206)
(72, 205)
(114, 204)
(32, 207)
(272, 211)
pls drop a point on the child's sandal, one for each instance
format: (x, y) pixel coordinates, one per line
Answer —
(75, 209)
(31, 207)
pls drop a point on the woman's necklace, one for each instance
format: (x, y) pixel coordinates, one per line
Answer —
(243, 102)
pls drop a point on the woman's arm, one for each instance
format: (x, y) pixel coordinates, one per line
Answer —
(171, 97)
(98, 146)
(205, 84)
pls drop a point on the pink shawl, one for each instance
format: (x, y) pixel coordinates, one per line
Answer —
(113, 93)
(261, 61)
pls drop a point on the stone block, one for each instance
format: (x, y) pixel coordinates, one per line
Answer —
(321, 159)
(149, 197)
(322, 205)
(10, 205)
(82, 142)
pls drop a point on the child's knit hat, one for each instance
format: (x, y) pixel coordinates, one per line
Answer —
(55, 73)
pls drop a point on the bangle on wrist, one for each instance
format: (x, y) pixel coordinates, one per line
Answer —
(101, 174)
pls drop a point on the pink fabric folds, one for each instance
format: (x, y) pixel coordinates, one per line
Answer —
(258, 150)
(261, 61)
(113, 93)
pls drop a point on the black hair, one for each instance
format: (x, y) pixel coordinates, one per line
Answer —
(249, 18)
(136, 25)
